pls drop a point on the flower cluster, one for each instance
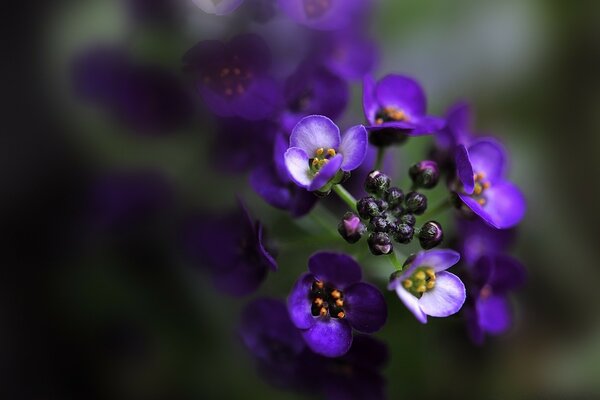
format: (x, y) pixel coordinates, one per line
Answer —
(277, 118)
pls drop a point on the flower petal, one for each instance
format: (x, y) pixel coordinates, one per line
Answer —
(326, 173)
(354, 147)
(464, 169)
(494, 314)
(267, 258)
(489, 157)
(267, 185)
(446, 298)
(403, 93)
(243, 279)
(426, 125)
(298, 302)
(329, 337)
(296, 162)
(439, 259)
(314, 132)
(261, 100)
(338, 269)
(370, 104)
(411, 302)
(504, 208)
(365, 307)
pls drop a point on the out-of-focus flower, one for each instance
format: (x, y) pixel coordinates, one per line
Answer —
(458, 128)
(312, 89)
(488, 307)
(485, 191)
(317, 153)
(233, 78)
(395, 107)
(330, 300)
(232, 247)
(323, 14)
(218, 7)
(426, 288)
(272, 183)
(477, 239)
(146, 98)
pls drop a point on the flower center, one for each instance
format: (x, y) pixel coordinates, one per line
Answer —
(390, 114)
(231, 79)
(321, 158)
(326, 301)
(316, 8)
(301, 103)
(486, 291)
(421, 281)
(480, 186)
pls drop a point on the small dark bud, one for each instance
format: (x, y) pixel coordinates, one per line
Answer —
(404, 233)
(431, 235)
(416, 203)
(382, 205)
(377, 183)
(425, 174)
(380, 224)
(407, 219)
(367, 207)
(380, 243)
(394, 196)
(351, 228)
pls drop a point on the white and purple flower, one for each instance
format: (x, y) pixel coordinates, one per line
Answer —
(426, 288)
(317, 153)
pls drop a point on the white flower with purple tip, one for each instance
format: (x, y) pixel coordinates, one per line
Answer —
(426, 288)
(318, 153)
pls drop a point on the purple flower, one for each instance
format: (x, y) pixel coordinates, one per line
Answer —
(395, 107)
(323, 14)
(330, 300)
(426, 288)
(233, 78)
(312, 89)
(488, 308)
(232, 247)
(458, 128)
(272, 183)
(218, 7)
(349, 54)
(481, 169)
(478, 239)
(317, 153)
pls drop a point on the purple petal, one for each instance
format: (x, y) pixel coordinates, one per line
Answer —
(478, 238)
(252, 50)
(506, 273)
(489, 157)
(494, 314)
(365, 307)
(267, 258)
(425, 125)
(354, 147)
(267, 185)
(439, 260)
(446, 298)
(370, 105)
(504, 208)
(296, 163)
(338, 269)
(261, 100)
(411, 302)
(243, 279)
(464, 168)
(405, 126)
(298, 302)
(326, 173)
(351, 56)
(474, 329)
(403, 93)
(279, 149)
(217, 103)
(314, 132)
(329, 337)
(458, 123)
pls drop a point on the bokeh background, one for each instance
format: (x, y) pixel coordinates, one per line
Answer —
(98, 300)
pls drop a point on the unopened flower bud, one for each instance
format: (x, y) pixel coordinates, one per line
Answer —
(431, 235)
(425, 174)
(382, 205)
(416, 203)
(380, 224)
(367, 207)
(407, 219)
(351, 228)
(404, 233)
(380, 243)
(394, 196)
(377, 183)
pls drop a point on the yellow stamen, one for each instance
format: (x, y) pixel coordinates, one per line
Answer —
(341, 315)
(421, 289)
(318, 301)
(407, 283)
(420, 275)
(320, 151)
(336, 294)
(319, 284)
(481, 202)
(430, 284)
(430, 273)
(323, 312)
(331, 152)
(339, 302)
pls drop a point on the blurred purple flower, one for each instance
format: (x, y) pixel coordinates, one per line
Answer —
(477, 239)
(323, 14)
(488, 308)
(233, 78)
(481, 169)
(395, 107)
(273, 184)
(348, 53)
(317, 153)
(330, 300)
(232, 247)
(426, 288)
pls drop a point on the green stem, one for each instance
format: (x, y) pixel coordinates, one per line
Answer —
(379, 160)
(345, 196)
(437, 209)
(394, 260)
